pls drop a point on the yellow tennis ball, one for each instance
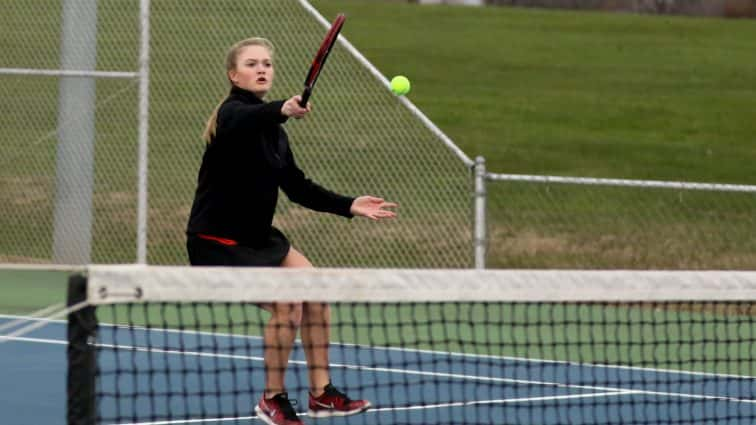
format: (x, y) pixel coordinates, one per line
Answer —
(400, 85)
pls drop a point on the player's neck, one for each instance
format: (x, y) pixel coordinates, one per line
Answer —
(247, 94)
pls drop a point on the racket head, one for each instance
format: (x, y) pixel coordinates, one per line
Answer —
(320, 57)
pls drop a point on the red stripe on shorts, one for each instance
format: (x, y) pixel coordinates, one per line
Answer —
(222, 241)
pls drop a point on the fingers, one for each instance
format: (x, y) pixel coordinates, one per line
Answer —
(377, 217)
(372, 207)
(291, 107)
(298, 100)
(378, 214)
(385, 214)
(380, 206)
(382, 203)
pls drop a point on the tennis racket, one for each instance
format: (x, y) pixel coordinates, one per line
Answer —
(320, 58)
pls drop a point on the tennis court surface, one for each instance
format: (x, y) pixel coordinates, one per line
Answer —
(177, 345)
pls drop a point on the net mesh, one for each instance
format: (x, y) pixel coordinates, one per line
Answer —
(449, 347)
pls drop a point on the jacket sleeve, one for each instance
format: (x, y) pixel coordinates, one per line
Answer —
(307, 193)
(235, 115)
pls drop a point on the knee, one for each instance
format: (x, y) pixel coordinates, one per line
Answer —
(288, 314)
(316, 312)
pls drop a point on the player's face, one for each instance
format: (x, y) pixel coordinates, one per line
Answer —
(254, 70)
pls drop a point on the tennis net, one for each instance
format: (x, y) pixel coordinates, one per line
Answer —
(164, 345)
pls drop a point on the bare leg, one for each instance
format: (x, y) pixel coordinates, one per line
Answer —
(316, 321)
(316, 327)
(279, 336)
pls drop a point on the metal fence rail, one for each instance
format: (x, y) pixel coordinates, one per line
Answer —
(454, 212)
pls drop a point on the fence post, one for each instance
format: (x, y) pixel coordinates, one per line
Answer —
(72, 220)
(479, 235)
(144, 105)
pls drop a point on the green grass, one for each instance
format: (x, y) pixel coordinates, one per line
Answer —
(573, 93)
(534, 91)
(585, 94)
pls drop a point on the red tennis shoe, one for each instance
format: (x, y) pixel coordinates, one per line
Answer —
(277, 410)
(335, 403)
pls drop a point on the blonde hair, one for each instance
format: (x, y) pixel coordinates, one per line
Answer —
(231, 60)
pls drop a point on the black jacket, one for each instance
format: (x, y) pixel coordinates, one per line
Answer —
(243, 167)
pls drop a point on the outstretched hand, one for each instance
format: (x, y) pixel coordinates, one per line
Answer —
(291, 108)
(372, 208)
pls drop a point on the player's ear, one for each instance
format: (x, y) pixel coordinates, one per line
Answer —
(232, 76)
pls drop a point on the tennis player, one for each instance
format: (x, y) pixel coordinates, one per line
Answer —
(247, 159)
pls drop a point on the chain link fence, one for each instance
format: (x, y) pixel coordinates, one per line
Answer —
(577, 223)
(34, 113)
(360, 138)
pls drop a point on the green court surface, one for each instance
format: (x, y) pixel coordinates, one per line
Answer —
(26, 291)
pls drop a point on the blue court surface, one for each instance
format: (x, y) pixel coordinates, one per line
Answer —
(405, 386)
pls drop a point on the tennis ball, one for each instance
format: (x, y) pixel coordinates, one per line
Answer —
(400, 85)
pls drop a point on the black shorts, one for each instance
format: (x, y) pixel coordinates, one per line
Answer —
(204, 252)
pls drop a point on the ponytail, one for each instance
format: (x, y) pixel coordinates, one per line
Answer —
(212, 124)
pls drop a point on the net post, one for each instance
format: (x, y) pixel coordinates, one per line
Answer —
(479, 235)
(80, 380)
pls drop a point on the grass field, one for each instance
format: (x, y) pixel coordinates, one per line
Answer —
(585, 94)
(573, 93)
(534, 91)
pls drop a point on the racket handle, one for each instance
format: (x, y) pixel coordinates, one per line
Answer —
(305, 97)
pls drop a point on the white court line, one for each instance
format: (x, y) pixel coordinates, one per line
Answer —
(192, 421)
(434, 374)
(400, 408)
(38, 340)
(63, 311)
(503, 401)
(420, 373)
(39, 314)
(607, 391)
(425, 373)
(438, 353)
